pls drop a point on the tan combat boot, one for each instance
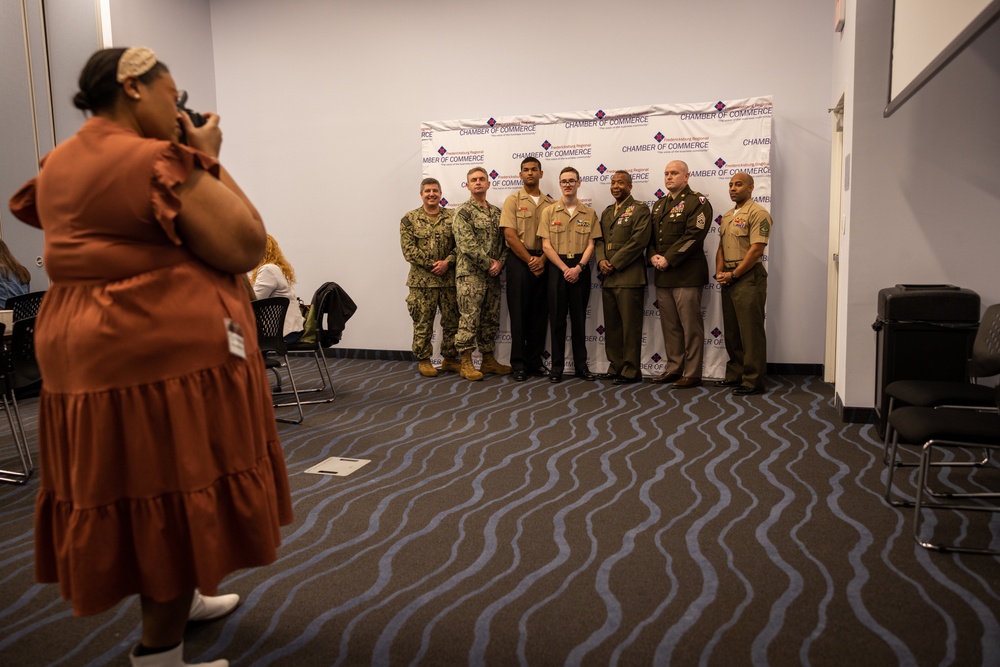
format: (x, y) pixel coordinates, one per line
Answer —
(491, 365)
(469, 371)
(426, 368)
(451, 364)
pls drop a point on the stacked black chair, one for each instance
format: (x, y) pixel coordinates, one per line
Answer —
(270, 317)
(938, 431)
(19, 369)
(965, 396)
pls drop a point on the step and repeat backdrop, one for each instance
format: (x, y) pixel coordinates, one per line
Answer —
(716, 140)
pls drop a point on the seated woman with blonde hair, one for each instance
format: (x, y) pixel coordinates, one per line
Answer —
(274, 276)
(14, 278)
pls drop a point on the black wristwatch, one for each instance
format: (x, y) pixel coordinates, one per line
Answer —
(735, 277)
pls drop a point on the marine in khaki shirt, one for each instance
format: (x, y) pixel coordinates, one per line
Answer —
(527, 299)
(568, 229)
(743, 237)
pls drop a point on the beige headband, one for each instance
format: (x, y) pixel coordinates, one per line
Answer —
(135, 62)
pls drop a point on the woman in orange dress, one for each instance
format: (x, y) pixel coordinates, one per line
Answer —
(161, 469)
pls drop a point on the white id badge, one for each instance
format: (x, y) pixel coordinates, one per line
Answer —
(235, 334)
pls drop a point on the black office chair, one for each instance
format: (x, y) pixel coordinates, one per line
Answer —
(985, 362)
(270, 317)
(938, 430)
(9, 380)
(331, 308)
(27, 377)
(25, 305)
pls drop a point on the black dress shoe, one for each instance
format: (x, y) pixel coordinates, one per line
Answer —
(624, 380)
(585, 374)
(538, 371)
(744, 390)
(520, 375)
(555, 376)
(728, 383)
(608, 376)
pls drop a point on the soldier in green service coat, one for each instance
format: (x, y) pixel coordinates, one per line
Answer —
(680, 222)
(621, 259)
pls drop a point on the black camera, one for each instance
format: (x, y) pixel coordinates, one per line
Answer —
(196, 118)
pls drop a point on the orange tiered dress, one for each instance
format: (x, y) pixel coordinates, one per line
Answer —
(160, 463)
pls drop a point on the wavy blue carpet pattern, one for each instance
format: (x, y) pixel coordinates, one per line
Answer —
(505, 523)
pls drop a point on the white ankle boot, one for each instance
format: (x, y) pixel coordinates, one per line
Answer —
(209, 608)
(172, 658)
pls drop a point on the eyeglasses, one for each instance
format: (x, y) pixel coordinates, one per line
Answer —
(568, 181)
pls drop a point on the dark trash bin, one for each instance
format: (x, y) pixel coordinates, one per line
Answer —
(922, 332)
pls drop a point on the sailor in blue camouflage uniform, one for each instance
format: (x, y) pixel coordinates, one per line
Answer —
(427, 242)
(481, 255)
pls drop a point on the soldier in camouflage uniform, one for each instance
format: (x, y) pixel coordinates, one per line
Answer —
(481, 254)
(428, 245)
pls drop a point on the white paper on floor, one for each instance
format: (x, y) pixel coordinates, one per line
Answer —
(335, 465)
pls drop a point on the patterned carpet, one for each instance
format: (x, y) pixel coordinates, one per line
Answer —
(504, 523)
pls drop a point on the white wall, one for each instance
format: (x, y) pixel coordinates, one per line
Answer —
(924, 200)
(322, 102)
(180, 33)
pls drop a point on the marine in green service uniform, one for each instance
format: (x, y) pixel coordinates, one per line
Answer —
(744, 235)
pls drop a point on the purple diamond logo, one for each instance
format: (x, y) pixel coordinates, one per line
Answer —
(546, 145)
(718, 219)
(659, 194)
(656, 358)
(492, 121)
(442, 151)
(444, 202)
(659, 137)
(601, 169)
(600, 329)
(599, 114)
(719, 106)
(494, 174)
(716, 332)
(546, 354)
(720, 163)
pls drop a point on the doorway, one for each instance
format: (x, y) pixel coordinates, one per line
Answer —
(835, 231)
